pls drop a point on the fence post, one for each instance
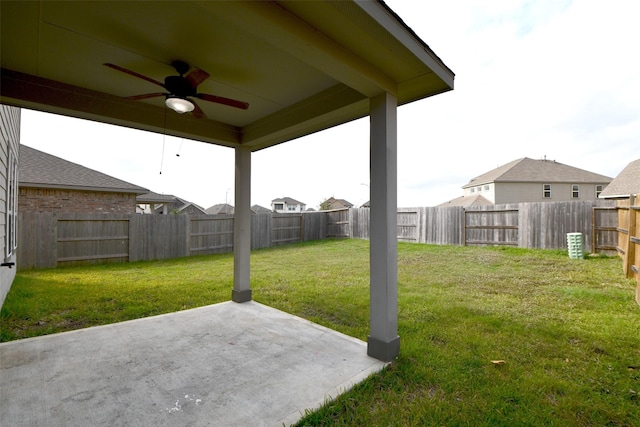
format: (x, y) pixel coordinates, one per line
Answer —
(464, 227)
(132, 256)
(631, 236)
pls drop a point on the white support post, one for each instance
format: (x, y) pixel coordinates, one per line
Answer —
(242, 227)
(383, 341)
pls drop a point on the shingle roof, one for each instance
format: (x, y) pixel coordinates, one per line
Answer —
(464, 201)
(260, 209)
(333, 203)
(42, 170)
(220, 209)
(530, 170)
(152, 197)
(626, 183)
(186, 205)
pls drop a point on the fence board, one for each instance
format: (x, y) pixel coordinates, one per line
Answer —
(337, 223)
(36, 240)
(314, 226)
(359, 223)
(437, 219)
(209, 234)
(491, 225)
(91, 239)
(155, 237)
(260, 231)
(286, 228)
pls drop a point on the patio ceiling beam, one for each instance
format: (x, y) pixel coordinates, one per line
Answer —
(28, 91)
(315, 113)
(295, 36)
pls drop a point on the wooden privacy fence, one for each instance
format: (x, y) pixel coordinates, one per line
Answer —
(541, 225)
(50, 240)
(628, 245)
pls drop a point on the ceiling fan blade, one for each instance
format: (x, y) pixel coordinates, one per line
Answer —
(223, 101)
(196, 77)
(144, 96)
(134, 74)
(197, 112)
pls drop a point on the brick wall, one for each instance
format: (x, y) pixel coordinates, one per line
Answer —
(74, 201)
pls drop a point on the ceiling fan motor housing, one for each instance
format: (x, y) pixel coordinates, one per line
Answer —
(179, 86)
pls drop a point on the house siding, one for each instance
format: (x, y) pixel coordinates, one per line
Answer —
(488, 191)
(9, 141)
(74, 201)
(507, 192)
(287, 207)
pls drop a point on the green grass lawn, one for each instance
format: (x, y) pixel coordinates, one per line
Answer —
(567, 332)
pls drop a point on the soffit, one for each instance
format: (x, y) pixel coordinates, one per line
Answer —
(302, 66)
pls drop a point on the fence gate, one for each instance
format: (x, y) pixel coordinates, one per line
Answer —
(604, 221)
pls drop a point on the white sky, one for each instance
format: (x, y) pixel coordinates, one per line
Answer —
(554, 78)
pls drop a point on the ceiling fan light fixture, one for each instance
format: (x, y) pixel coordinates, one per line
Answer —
(179, 105)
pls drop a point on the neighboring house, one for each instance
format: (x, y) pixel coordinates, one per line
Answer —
(220, 209)
(175, 206)
(287, 205)
(9, 155)
(626, 184)
(332, 203)
(50, 184)
(528, 180)
(189, 208)
(366, 204)
(257, 209)
(466, 201)
(149, 203)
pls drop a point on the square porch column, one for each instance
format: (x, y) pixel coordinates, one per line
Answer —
(242, 227)
(383, 342)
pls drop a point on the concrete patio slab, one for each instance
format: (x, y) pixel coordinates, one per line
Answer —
(226, 364)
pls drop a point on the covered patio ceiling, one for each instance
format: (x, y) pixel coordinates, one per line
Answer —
(302, 66)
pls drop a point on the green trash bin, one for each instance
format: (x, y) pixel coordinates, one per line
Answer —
(575, 245)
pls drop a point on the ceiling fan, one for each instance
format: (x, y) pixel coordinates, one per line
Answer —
(181, 88)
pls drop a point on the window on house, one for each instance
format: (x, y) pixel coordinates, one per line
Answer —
(546, 191)
(599, 189)
(473, 190)
(292, 208)
(486, 188)
(12, 204)
(278, 206)
(575, 191)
